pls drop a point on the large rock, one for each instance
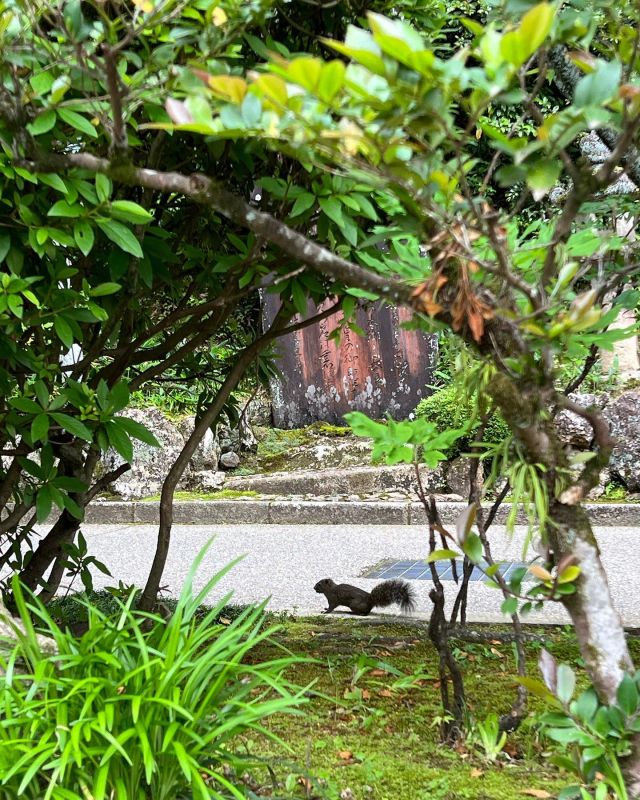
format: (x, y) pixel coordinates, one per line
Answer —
(623, 415)
(574, 430)
(206, 481)
(457, 477)
(229, 460)
(150, 464)
(207, 453)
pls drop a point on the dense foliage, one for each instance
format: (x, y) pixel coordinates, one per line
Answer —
(139, 706)
(163, 162)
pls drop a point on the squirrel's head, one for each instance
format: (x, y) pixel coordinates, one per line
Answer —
(325, 583)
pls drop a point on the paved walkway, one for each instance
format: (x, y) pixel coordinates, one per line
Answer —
(285, 561)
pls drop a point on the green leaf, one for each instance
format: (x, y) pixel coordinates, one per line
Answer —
(104, 289)
(103, 187)
(599, 86)
(59, 88)
(586, 705)
(40, 428)
(70, 484)
(64, 209)
(5, 246)
(542, 177)
(73, 426)
(130, 212)
(137, 430)
(331, 80)
(510, 606)
(333, 209)
(54, 181)
(42, 123)
(77, 121)
(44, 502)
(84, 237)
(63, 330)
(303, 203)
(442, 555)
(536, 25)
(25, 404)
(299, 297)
(251, 110)
(628, 695)
(121, 235)
(119, 440)
(569, 574)
(472, 548)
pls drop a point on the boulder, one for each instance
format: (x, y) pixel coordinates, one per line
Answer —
(457, 477)
(623, 414)
(207, 481)
(258, 411)
(229, 460)
(150, 464)
(207, 453)
(574, 430)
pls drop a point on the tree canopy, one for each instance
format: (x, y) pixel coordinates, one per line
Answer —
(396, 158)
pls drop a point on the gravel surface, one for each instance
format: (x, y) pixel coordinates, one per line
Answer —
(285, 561)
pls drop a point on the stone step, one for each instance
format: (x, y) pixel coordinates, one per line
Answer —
(276, 511)
(351, 481)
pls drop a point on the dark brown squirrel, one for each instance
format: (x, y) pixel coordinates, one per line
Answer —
(361, 602)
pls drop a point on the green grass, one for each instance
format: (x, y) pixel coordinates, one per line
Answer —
(389, 727)
(223, 494)
(371, 730)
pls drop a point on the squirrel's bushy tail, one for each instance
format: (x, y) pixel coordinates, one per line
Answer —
(389, 592)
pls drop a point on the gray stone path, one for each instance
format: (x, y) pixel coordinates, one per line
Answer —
(285, 561)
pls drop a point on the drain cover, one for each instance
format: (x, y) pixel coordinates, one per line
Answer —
(412, 570)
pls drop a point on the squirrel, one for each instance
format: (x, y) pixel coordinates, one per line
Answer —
(361, 602)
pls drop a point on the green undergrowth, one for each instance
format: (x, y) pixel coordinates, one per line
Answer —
(372, 725)
(223, 494)
(371, 721)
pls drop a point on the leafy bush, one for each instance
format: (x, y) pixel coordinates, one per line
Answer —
(593, 738)
(446, 409)
(139, 707)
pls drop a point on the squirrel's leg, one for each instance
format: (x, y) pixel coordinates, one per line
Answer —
(329, 609)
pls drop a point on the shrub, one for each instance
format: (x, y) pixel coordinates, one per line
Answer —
(139, 707)
(446, 409)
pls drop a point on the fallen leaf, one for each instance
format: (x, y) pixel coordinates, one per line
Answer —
(345, 755)
(366, 694)
(476, 773)
(224, 621)
(385, 693)
(377, 673)
(537, 793)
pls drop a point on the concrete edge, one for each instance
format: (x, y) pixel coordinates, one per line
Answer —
(318, 512)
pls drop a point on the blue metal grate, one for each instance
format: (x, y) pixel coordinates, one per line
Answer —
(420, 570)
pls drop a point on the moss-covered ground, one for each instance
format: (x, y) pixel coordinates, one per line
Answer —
(371, 724)
(222, 494)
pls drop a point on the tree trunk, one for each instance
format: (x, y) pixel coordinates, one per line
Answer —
(210, 415)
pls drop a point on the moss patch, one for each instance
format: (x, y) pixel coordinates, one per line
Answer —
(223, 494)
(372, 720)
